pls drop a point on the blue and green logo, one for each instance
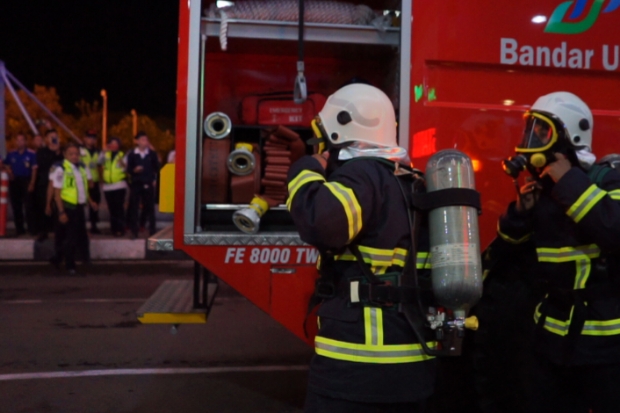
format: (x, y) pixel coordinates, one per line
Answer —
(576, 22)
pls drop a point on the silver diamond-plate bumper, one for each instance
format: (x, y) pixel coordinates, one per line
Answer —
(238, 238)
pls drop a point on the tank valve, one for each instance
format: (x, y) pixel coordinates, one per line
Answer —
(248, 219)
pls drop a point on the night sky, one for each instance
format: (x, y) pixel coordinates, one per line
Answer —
(127, 47)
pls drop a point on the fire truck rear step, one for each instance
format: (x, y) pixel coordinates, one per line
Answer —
(173, 303)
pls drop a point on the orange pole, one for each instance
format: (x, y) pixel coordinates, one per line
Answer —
(104, 119)
(4, 200)
(134, 122)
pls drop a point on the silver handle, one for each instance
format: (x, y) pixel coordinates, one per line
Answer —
(283, 270)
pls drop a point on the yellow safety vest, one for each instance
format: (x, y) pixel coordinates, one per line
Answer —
(113, 172)
(69, 191)
(91, 162)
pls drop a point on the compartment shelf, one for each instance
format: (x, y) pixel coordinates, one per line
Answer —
(313, 32)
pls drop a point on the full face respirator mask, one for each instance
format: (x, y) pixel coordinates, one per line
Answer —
(543, 136)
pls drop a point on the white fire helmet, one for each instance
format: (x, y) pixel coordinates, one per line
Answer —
(359, 113)
(573, 113)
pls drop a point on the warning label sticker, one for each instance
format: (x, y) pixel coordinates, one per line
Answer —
(454, 254)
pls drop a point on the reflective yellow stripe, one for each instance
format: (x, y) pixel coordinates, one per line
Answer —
(300, 180)
(512, 240)
(590, 328)
(585, 203)
(364, 353)
(367, 326)
(615, 194)
(567, 254)
(379, 327)
(423, 261)
(601, 328)
(384, 258)
(352, 208)
(373, 326)
(554, 325)
(379, 270)
(581, 256)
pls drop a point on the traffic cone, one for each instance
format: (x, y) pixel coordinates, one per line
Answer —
(4, 201)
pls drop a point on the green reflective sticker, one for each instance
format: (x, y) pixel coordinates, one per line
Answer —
(432, 95)
(419, 91)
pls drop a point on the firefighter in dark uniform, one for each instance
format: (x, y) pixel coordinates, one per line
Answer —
(367, 356)
(570, 214)
(70, 182)
(89, 155)
(22, 166)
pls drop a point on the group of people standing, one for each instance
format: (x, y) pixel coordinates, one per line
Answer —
(54, 186)
(116, 172)
(29, 191)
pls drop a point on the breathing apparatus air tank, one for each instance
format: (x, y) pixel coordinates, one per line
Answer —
(454, 240)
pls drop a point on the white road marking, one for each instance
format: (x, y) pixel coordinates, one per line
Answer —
(153, 371)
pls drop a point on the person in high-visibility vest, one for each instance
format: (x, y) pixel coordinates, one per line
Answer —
(112, 173)
(89, 155)
(70, 180)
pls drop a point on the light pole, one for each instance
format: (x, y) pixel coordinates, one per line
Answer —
(104, 120)
(134, 122)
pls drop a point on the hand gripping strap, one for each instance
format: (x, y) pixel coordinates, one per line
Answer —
(446, 197)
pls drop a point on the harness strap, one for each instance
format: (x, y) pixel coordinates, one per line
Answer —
(324, 288)
(384, 295)
(426, 201)
(596, 173)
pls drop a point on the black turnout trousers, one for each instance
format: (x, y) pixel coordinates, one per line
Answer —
(20, 200)
(145, 194)
(316, 403)
(95, 195)
(116, 205)
(71, 237)
(572, 389)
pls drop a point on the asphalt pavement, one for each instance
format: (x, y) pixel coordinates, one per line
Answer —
(73, 344)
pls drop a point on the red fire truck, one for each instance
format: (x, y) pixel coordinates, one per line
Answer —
(460, 74)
